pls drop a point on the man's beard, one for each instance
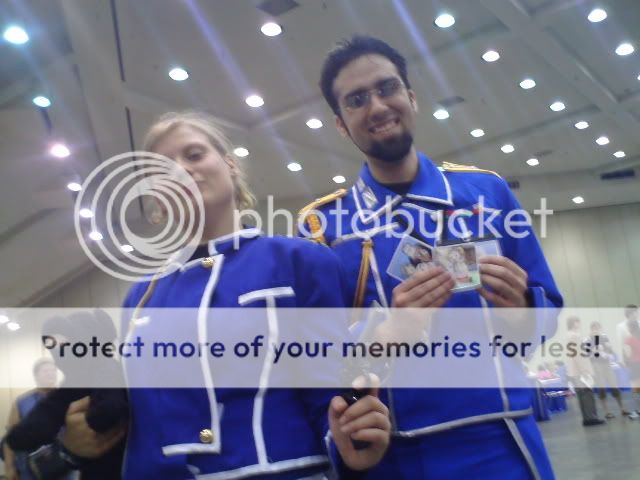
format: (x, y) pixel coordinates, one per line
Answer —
(392, 150)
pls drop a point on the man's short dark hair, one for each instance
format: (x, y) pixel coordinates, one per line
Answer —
(349, 50)
(629, 309)
(571, 322)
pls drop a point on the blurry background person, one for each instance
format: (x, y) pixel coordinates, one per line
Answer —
(45, 375)
(603, 374)
(579, 370)
(631, 352)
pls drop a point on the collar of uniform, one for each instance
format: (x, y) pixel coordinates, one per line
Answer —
(232, 241)
(372, 198)
(430, 185)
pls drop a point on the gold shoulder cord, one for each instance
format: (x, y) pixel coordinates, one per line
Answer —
(363, 274)
(454, 167)
(307, 215)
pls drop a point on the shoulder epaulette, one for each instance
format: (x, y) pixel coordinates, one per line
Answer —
(306, 214)
(454, 167)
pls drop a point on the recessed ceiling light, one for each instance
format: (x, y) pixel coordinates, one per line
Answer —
(3, 319)
(441, 114)
(240, 152)
(619, 154)
(445, 20)
(178, 74)
(95, 235)
(602, 140)
(254, 101)
(625, 49)
(85, 213)
(527, 83)
(557, 106)
(41, 101)
(508, 148)
(597, 15)
(638, 77)
(339, 179)
(581, 125)
(294, 167)
(126, 248)
(74, 186)
(59, 150)
(532, 162)
(314, 123)
(478, 132)
(13, 326)
(271, 29)
(16, 35)
(490, 56)
(578, 200)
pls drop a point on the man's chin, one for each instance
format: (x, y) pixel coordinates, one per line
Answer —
(393, 150)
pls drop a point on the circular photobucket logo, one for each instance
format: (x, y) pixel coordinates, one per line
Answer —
(139, 214)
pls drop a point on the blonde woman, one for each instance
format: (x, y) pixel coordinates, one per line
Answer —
(237, 263)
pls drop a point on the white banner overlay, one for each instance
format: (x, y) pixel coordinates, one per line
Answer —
(307, 348)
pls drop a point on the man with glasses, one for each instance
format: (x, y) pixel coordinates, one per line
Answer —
(438, 433)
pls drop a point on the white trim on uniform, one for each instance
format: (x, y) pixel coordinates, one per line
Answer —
(460, 422)
(275, 467)
(377, 279)
(364, 234)
(377, 213)
(276, 292)
(203, 310)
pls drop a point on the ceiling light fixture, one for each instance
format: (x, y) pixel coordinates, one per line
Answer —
(508, 148)
(240, 152)
(13, 326)
(254, 101)
(527, 83)
(625, 49)
(441, 114)
(271, 29)
(581, 125)
(59, 150)
(532, 162)
(16, 35)
(85, 213)
(294, 167)
(557, 106)
(41, 101)
(490, 56)
(597, 15)
(577, 200)
(477, 133)
(95, 235)
(619, 154)
(178, 74)
(74, 186)
(602, 140)
(314, 123)
(126, 248)
(339, 179)
(445, 20)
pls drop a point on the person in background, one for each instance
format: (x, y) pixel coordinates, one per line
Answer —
(631, 353)
(580, 374)
(604, 375)
(45, 375)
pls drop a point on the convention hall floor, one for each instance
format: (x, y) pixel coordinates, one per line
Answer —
(605, 452)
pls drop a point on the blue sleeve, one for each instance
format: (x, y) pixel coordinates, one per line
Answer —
(543, 293)
(323, 285)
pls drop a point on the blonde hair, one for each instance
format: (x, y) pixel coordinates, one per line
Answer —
(207, 125)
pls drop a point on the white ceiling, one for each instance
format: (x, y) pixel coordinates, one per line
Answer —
(104, 65)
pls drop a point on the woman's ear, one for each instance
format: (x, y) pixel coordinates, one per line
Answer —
(231, 163)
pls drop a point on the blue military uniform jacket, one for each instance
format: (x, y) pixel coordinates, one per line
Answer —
(442, 204)
(233, 433)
